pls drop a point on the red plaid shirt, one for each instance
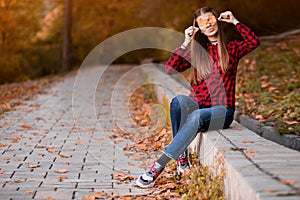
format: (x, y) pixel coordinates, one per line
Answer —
(218, 88)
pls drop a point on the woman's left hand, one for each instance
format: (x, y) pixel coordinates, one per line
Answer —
(228, 17)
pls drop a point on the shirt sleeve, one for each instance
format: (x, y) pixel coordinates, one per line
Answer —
(250, 40)
(179, 61)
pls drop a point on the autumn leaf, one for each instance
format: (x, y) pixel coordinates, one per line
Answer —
(94, 196)
(80, 143)
(250, 151)
(64, 156)
(15, 139)
(33, 166)
(61, 171)
(28, 191)
(291, 122)
(287, 182)
(1, 172)
(61, 178)
(25, 126)
(3, 145)
(247, 141)
(52, 151)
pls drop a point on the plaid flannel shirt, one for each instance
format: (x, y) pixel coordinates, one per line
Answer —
(218, 88)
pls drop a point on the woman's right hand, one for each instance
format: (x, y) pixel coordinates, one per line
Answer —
(189, 32)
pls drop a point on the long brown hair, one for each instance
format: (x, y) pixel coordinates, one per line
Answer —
(201, 60)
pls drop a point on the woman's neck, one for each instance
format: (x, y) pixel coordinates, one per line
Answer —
(213, 39)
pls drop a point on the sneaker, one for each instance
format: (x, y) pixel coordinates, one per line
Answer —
(183, 163)
(148, 178)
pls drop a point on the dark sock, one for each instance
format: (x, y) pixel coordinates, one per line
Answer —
(163, 160)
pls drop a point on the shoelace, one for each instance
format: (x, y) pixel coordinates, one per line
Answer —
(182, 161)
(153, 170)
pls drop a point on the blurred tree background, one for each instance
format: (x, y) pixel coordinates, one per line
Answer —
(31, 30)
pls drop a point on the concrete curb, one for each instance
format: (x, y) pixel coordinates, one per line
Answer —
(287, 140)
(256, 168)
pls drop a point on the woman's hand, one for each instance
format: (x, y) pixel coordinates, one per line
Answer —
(228, 17)
(189, 32)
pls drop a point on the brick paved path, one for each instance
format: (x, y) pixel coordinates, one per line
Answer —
(40, 140)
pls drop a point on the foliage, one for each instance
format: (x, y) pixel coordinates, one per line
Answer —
(269, 87)
(200, 182)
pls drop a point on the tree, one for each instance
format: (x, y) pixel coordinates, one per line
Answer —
(67, 40)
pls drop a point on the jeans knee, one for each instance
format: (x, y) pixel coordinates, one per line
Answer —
(194, 117)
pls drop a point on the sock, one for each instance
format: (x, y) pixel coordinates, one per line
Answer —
(163, 160)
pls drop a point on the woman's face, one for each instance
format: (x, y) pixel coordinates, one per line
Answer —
(208, 24)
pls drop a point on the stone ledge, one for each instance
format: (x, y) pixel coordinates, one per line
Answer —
(287, 140)
(256, 168)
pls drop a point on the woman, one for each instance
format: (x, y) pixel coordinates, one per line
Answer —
(214, 66)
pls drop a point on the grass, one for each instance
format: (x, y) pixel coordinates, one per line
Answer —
(268, 85)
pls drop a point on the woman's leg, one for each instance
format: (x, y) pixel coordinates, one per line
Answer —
(214, 118)
(181, 106)
(197, 120)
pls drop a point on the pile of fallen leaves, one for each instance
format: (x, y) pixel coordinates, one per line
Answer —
(199, 183)
(268, 85)
(14, 94)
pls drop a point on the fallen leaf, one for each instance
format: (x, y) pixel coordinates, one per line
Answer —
(52, 151)
(61, 178)
(96, 195)
(250, 151)
(64, 156)
(80, 143)
(247, 141)
(15, 139)
(3, 145)
(287, 182)
(33, 166)
(28, 191)
(291, 122)
(6, 158)
(39, 119)
(1, 172)
(237, 149)
(61, 171)
(23, 125)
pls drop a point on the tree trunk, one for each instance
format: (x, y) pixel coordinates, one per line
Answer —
(67, 41)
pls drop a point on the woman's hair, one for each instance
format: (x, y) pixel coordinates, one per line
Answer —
(201, 61)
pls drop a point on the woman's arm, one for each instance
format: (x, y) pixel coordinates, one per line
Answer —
(181, 58)
(250, 40)
(179, 61)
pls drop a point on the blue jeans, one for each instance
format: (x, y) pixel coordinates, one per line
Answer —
(188, 119)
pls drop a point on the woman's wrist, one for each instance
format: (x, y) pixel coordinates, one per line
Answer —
(235, 22)
(184, 45)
